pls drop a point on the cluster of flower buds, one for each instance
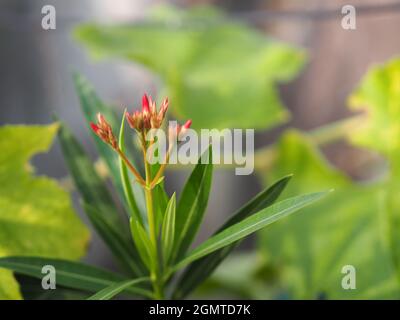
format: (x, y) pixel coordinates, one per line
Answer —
(104, 131)
(149, 117)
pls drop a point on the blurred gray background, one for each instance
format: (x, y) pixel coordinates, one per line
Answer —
(36, 67)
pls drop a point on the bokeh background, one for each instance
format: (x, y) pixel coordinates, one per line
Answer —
(36, 67)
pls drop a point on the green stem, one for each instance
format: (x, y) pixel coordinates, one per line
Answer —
(157, 279)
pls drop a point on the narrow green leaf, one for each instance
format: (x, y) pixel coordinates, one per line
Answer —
(120, 247)
(143, 243)
(126, 180)
(95, 193)
(70, 274)
(201, 269)
(192, 205)
(91, 105)
(89, 184)
(116, 288)
(160, 201)
(168, 229)
(249, 225)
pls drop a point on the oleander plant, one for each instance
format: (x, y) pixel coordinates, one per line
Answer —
(219, 73)
(152, 242)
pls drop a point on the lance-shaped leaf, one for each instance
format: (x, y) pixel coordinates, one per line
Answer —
(168, 229)
(160, 201)
(201, 269)
(95, 194)
(36, 214)
(192, 205)
(116, 288)
(126, 179)
(121, 247)
(91, 105)
(249, 225)
(143, 243)
(70, 274)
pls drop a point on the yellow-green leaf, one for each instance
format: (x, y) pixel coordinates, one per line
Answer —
(379, 95)
(36, 215)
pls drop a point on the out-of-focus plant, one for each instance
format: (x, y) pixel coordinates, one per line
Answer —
(157, 242)
(36, 216)
(356, 226)
(212, 67)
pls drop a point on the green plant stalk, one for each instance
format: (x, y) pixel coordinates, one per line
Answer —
(156, 277)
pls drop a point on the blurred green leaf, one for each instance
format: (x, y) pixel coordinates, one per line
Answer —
(256, 280)
(114, 289)
(36, 215)
(218, 72)
(9, 288)
(192, 205)
(249, 225)
(201, 269)
(91, 105)
(70, 274)
(379, 96)
(98, 201)
(346, 228)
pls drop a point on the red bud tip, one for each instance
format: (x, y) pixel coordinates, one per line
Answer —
(145, 103)
(94, 127)
(187, 124)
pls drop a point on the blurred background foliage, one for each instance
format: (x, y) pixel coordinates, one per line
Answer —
(224, 73)
(216, 71)
(221, 74)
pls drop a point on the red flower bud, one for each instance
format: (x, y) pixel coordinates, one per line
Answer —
(187, 124)
(149, 117)
(145, 104)
(94, 128)
(104, 131)
(163, 109)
